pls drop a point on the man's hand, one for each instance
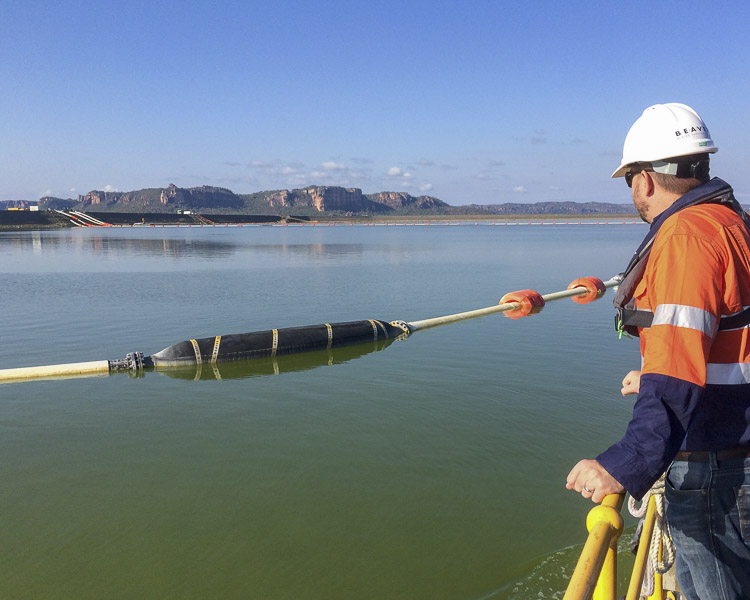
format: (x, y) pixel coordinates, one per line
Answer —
(632, 383)
(591, 480)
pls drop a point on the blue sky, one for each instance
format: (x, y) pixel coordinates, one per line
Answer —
(471, 102)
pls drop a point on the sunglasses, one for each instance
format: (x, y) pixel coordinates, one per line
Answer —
(630, 174)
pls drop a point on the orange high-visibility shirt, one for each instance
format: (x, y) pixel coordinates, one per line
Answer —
(695, 380)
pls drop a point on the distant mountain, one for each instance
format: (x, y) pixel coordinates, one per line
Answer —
(19, 204)
(308, 201)
(328, 199)
(51, 202)
(206, 199)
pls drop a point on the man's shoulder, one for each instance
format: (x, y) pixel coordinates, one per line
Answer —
(703, 220)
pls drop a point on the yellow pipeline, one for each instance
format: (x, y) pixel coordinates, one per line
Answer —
(97, 368)
(595, 575)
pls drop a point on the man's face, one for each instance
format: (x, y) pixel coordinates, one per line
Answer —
(640, 200)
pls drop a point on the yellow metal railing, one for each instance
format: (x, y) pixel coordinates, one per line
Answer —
(595, 575)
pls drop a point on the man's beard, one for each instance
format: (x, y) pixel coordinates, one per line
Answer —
(642, 209)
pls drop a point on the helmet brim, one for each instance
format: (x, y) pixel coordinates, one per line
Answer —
(621, 170)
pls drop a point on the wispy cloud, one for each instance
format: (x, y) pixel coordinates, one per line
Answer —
(332, 166)
(346, 172)
(519, 189)
(260, 164)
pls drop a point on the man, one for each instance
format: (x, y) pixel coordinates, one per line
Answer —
(684, 294)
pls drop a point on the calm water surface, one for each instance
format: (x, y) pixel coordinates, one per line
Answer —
(430, 468)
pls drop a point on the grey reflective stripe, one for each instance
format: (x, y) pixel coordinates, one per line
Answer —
(727, 374)
(643, 319)
(689, 317)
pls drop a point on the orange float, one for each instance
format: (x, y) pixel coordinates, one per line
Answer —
(531, 303)
(595, 289)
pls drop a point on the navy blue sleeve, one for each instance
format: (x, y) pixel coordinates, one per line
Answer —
(661, 416)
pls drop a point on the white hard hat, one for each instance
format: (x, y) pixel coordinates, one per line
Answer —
(663, 132)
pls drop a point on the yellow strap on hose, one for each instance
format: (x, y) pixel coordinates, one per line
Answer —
(383, 329)
(197, 351)
(330, 335)
(215, 353)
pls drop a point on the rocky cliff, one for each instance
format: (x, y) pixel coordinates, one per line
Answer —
(348, 200)
(308, 201)
(326, 199)
(398, 200)
(169, 199)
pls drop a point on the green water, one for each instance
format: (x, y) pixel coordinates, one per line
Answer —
(430, 468)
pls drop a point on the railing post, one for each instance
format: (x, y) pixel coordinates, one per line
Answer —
(658, 579)
(641, 558)
(598, 561)
(606, 585)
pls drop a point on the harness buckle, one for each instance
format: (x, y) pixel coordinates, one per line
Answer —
(619, 327)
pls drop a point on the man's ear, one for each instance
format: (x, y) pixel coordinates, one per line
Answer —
(649, 182)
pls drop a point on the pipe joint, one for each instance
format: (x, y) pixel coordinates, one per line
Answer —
(132, 363)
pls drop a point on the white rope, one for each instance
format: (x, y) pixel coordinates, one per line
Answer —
(661, 534)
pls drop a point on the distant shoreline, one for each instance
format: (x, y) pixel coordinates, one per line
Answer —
(45, 220)
(486, 217)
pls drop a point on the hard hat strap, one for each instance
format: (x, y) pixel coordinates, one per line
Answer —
(695, 166)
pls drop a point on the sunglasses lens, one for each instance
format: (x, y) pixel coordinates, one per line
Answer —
(629, 179)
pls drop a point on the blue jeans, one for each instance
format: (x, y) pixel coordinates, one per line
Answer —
(708, 510)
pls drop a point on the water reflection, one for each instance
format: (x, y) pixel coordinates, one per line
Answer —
(258, 367)
(312, 250)
(113, 246)
(25, 252)
(39, 243)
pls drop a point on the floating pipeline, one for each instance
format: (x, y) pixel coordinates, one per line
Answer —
(209, 351)
(273, 342)
(295, 340)
(271, 365)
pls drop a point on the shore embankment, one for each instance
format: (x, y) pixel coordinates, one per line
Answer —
(52, 219)
(49, 219)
